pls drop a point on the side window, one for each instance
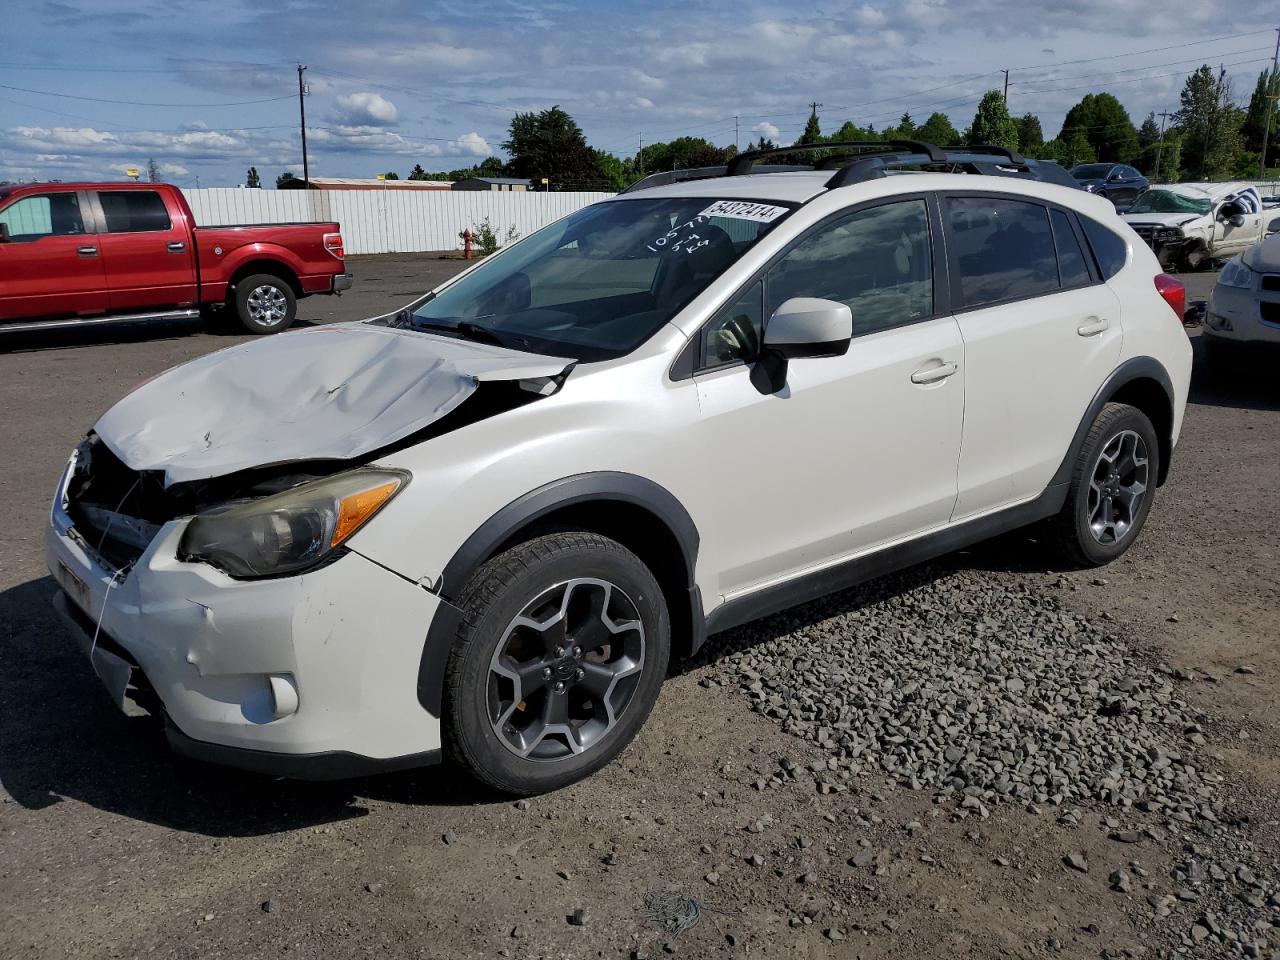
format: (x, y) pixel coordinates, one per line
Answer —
(734, 335)
(42, 215)
(1071, 262)
(134, 211)
(1109, 248)
(1001, 249)
(878, 261)
(1130, 173)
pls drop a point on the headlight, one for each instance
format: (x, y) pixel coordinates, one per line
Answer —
(289, 531)
(1236, 274)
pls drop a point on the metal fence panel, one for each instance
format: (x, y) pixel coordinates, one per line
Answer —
(390, 221)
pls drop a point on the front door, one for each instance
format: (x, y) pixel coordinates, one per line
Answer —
(50, 265)
(1041, 335)
(851, 452)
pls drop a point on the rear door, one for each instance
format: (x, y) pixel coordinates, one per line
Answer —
(852, 452)
(51, 265)
(1041, 334)
(146, 250)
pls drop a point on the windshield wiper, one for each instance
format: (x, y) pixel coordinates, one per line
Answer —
(465, 328)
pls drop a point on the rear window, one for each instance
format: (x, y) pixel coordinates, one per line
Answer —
(134, 211)
(1071, 259)
(1002, 249)
(1109, 248)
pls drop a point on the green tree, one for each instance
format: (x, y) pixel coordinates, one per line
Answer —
(938, 130)
(391, 175)
(1105, 123)
(1265, 99)
(812, 131)
(680, 154)
(551, 145)
(284, 178)
(153, 171)
(251, 178)
(851, 131)
(1030, 135)
(1210, 125)
(905, 130)
(615, 172)
(992, 123)
(417, 173)
(1075, 149)
(1148, 145)
(1168, 168)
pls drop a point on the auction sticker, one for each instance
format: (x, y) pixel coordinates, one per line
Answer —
(744, 210)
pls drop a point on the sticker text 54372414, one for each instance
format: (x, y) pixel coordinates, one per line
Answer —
(744, 210)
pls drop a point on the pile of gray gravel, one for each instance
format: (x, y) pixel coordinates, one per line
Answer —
(971, 685)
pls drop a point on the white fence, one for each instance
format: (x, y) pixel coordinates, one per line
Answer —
(390, 221)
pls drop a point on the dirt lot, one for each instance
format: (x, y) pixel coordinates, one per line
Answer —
(110, 847)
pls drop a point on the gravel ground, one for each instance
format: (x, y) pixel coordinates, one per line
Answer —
(983, 757)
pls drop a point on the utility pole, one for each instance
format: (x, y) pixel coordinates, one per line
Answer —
(1165, 115)
(302, 114)
(813, 108)
(640, 155)
(1006, 89)
(735, 131)
(1268, 102)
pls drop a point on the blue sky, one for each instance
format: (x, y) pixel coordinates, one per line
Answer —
(211, 86)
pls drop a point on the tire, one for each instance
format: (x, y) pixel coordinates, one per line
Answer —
(1124, 433)
(509, 734)
(264, 303)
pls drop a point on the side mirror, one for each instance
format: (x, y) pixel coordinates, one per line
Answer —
(1237, 220)
(809, 327)
(1273, 226)
(4, 233)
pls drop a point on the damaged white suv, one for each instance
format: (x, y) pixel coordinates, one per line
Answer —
(482, 526)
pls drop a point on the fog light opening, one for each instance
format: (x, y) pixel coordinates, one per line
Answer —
(284, 695)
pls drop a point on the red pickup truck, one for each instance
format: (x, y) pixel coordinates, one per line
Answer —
(80, 253)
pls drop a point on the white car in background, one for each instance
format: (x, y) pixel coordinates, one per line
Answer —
(1244, 306)
(481, 526)
(1192, 225)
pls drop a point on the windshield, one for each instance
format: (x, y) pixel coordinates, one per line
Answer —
(1165, 201)
(603, 280)
(1091, 171)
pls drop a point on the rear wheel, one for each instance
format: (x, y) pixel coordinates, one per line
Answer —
(264, 303)
(1112, 487)
(559, 659)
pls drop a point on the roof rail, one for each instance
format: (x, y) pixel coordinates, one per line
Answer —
(743, 163)
(662, 178)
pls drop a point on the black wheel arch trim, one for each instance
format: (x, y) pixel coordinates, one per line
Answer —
(1135, 368)
(602, 486)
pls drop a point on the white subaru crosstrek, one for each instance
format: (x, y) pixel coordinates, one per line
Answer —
(483, 525)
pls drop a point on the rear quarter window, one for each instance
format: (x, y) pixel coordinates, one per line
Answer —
(1109, 248)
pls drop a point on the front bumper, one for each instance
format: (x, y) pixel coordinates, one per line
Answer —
(311, 676)
(1243, 316)
(342, 281)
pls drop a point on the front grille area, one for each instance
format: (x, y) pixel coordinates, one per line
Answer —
(1146, 233)
(1270, 312)
(115, 510)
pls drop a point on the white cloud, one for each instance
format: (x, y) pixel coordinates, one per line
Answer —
(174, 170)
(766, 130)
(365, 110)
(472, 144)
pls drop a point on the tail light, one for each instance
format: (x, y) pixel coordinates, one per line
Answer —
(333, 243)
(1174, 292)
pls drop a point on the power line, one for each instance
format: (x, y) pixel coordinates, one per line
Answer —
(1139, 53)
(1158, 76)
(1107, 77)
(142, 103)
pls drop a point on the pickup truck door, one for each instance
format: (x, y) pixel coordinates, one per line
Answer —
(1228, 239)
(51, 263)
(146, 249)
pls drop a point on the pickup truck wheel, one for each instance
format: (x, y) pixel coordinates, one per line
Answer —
(559, 659)
(265, 304)
(1112, 486)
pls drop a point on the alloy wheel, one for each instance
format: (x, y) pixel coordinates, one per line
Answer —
(1117, 486)
(565, 669)
(268, 305)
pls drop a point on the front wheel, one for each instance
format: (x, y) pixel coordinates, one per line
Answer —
(1111, 489)
(559, 659)
(264, 304)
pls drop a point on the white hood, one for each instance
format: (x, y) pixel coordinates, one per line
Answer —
(329, 393)
(1162, 219)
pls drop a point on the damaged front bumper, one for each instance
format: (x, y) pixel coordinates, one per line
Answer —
(310, 676)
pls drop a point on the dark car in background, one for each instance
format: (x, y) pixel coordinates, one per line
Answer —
(1118, 182)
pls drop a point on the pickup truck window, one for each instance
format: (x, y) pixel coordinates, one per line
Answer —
(42, 215)
(134, 211)
(1166, 201)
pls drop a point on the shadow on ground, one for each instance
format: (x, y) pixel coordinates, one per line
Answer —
(1239, 377)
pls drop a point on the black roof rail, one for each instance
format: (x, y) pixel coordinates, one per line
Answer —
(1012, 155)
(743, 163)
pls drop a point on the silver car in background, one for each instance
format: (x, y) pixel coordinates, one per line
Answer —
(1244, 307)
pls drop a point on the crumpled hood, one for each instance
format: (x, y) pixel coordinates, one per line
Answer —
(332, 392)
(1265, 256)
(1161, 219)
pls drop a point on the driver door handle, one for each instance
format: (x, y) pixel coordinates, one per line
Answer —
(935, 373)
(87, 251)
(1093, 326)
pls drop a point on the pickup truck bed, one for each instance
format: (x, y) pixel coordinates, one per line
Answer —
(72, 254)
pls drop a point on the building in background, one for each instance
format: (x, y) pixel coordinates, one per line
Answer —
(491, 183)
(359, 183)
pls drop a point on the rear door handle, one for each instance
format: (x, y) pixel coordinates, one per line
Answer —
(1093, 326)
(934, 374)
(177, 246)
(87, 251)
